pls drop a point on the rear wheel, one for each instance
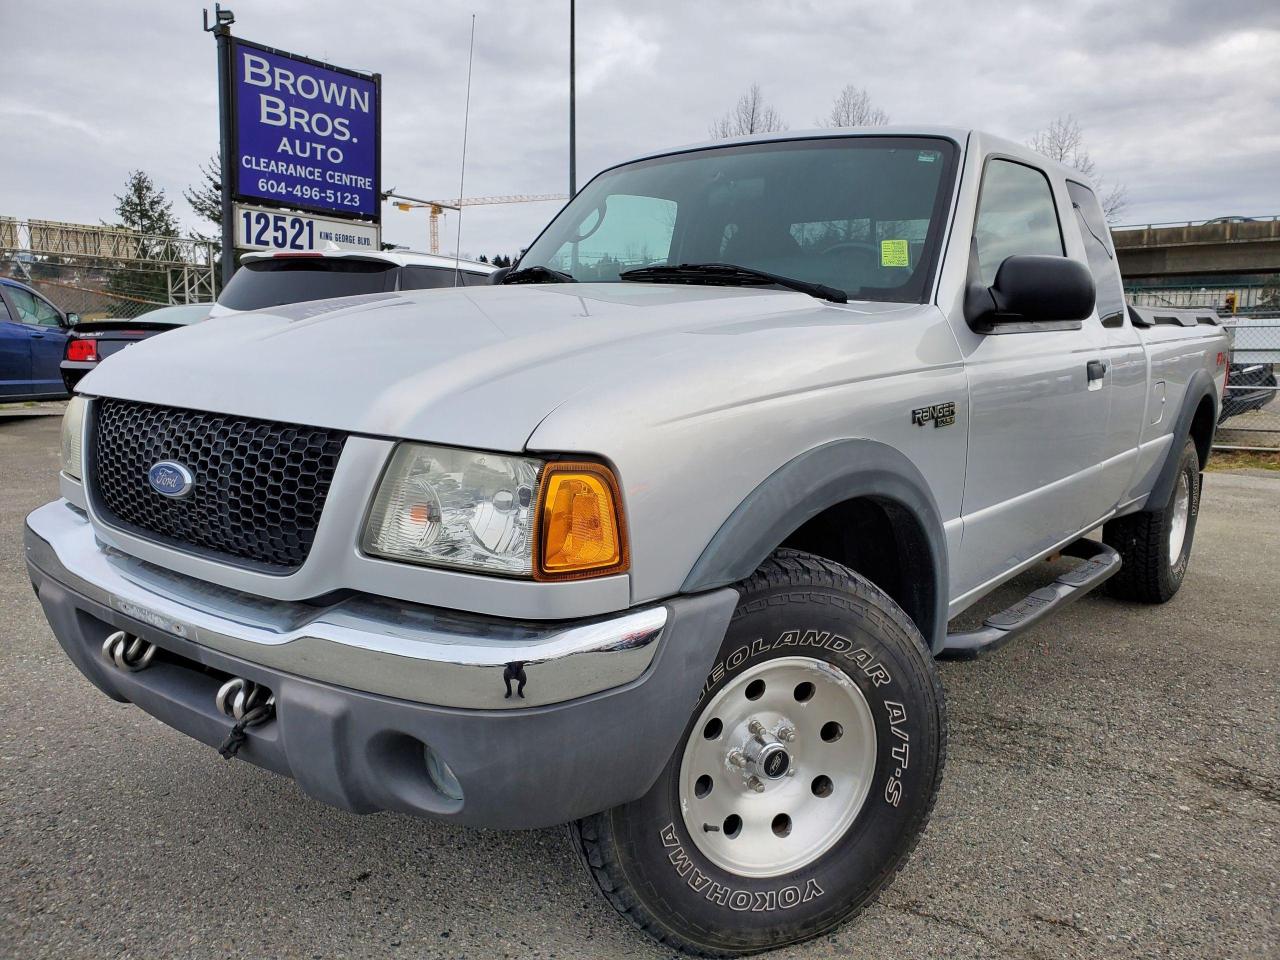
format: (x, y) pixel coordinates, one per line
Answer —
(805, 776)
(1155, 545)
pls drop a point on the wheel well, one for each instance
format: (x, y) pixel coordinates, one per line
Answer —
(1202, 425)
(884, 542)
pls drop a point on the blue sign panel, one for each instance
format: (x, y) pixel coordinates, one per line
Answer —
(306, 133)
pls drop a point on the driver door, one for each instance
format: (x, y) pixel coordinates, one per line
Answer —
(1037, 422)
(47, 337)
(15, 355)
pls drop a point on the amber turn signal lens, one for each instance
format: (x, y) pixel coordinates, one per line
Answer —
(580, 530)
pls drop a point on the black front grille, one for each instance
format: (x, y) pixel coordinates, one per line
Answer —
(258, 486)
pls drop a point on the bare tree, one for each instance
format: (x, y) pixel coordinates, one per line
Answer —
(749, 115)
(852, 107)
(1063, 140)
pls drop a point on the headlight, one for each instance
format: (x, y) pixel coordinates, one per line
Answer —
(493, 513)
(456, 508)
(72, 438)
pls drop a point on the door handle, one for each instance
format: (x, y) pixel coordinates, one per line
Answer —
(1097, 369)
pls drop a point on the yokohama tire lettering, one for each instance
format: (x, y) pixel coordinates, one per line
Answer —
(755, 901)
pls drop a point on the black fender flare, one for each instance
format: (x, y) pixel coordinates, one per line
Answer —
(806, 486)
(1199, 387)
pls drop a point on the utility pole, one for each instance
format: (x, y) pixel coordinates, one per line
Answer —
(573, 107)
(221, 30)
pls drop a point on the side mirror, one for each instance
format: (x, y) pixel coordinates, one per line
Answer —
(1032, 293)
(499, 275)
(73, 319)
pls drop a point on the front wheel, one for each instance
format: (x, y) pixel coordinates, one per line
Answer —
(804, 779)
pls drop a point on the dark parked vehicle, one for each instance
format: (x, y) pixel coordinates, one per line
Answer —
(1250, 386)
(94, 340)
(33, 333)
(267, 279)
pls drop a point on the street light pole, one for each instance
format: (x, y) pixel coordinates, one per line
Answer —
(573, 106)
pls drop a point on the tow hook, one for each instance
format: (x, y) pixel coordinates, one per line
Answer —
(238, 696)
(128, 652)
(248, 704)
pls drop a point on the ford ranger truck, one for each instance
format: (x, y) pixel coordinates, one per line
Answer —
(658, 536)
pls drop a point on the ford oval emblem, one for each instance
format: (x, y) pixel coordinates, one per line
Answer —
(170, 479)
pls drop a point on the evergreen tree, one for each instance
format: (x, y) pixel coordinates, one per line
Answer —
(205, 197)
(143, 208)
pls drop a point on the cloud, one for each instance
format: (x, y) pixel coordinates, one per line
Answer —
(1179, 100)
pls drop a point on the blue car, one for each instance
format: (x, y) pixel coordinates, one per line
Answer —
(33, 335)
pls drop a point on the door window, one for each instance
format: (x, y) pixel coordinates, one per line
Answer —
(34, 310)
(1016, 216)
(1102, 257)
(25, 305)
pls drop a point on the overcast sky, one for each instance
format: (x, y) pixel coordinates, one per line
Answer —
(1179, 99)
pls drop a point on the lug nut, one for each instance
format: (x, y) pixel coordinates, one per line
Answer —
(736, 759)
(756, 727)
(787, 733)
(755, 784)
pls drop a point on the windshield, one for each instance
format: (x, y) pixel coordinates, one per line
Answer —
(270, 283)
(860, 214)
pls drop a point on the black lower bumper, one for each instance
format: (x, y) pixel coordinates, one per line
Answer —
(517, 768)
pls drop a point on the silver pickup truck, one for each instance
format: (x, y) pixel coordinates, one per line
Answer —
(660, 534)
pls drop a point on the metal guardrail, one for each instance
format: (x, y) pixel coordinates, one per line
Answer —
(1194, 223)
(53, 238)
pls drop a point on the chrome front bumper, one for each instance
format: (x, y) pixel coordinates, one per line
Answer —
(385, 647)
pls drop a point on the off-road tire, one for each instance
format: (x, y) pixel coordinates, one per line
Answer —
(1148, 573)
(641, 856)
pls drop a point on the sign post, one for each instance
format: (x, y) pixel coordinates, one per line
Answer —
(221, 30)
(298, 135)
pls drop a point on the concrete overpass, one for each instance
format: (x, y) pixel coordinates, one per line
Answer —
(1238, 246)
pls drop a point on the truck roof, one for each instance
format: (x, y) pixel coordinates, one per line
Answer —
(958, 135)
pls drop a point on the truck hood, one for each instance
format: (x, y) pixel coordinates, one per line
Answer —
(478, 367)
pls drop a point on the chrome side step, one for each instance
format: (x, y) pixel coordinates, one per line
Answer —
(1100, 563)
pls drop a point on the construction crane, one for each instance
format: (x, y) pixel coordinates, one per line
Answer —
(436, 208)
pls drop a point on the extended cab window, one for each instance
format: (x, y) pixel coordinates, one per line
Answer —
(270, 283)
(1016, 216)
(861, 214)
(1102, 256)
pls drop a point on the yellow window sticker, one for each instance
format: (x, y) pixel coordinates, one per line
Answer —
(893, 253)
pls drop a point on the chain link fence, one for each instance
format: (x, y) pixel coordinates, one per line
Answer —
(101, 272)
(89, 299)
(1251, 406)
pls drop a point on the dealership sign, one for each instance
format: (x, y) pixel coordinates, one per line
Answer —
(265, 228)
(305, 134)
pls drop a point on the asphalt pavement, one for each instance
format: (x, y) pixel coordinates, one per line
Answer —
(1113, 790)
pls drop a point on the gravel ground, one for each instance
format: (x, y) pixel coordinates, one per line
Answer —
(1113, 791)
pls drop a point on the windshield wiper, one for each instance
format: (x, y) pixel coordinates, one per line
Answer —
(728, 274)
(538, 274)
